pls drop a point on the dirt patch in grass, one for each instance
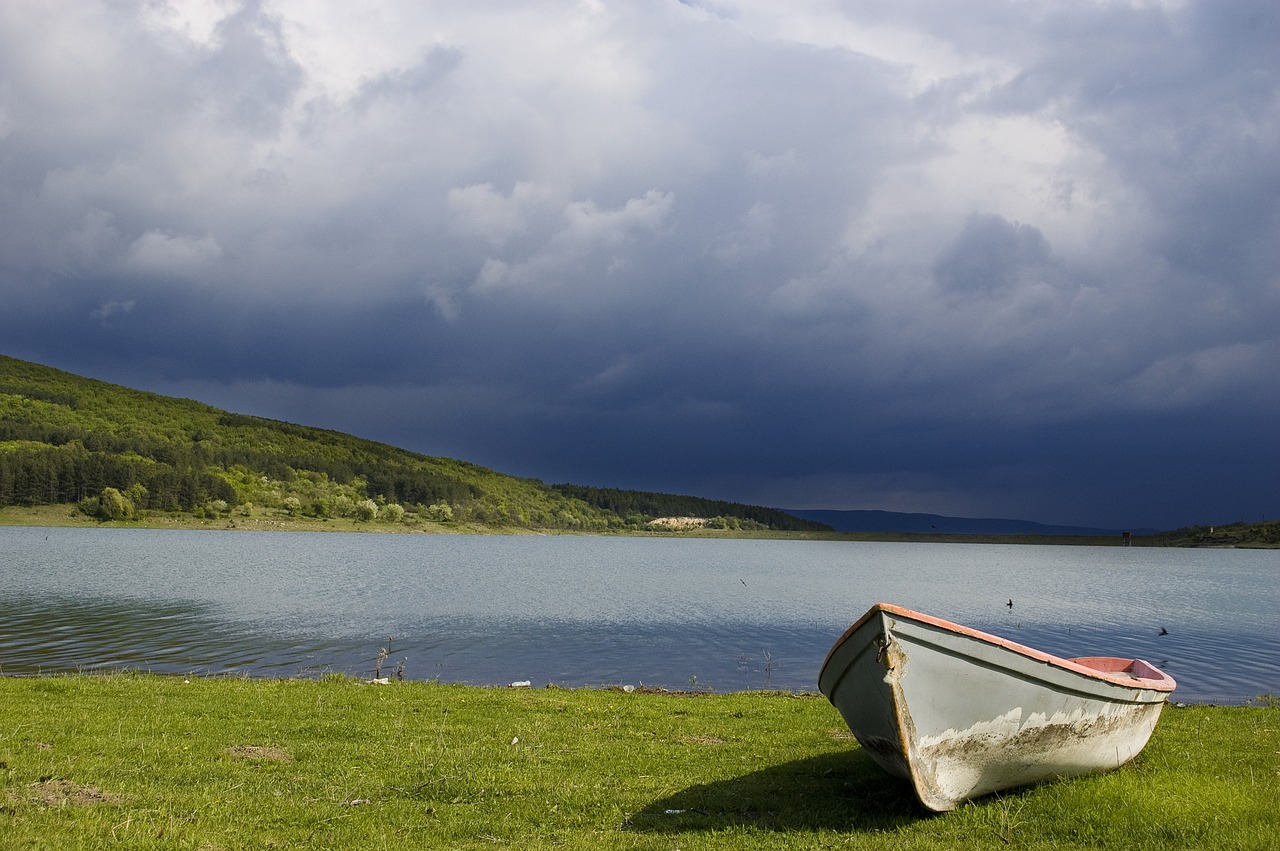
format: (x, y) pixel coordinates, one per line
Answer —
(64, 793)
(257, 752)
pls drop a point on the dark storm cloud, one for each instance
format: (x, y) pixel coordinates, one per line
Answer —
(999, 259)
(993, 254)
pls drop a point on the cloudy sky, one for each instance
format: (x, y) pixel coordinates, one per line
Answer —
(1012, 258)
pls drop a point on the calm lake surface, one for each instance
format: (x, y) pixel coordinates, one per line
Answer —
(585, 611)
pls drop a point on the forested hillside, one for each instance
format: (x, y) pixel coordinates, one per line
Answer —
(119, 453)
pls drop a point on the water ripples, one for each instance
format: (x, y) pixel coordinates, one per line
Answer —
(726, 615)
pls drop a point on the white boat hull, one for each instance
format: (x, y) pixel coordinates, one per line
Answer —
(960, 713)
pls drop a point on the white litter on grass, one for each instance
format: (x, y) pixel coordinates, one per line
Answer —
(521, 684)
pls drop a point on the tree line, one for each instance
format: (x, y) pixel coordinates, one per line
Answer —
(45, 475)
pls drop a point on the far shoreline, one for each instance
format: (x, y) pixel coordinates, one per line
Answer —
(67, 516)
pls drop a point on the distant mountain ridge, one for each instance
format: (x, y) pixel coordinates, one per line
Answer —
(894, 522)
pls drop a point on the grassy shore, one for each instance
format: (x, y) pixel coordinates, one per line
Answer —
(66, 516)
(142, 761)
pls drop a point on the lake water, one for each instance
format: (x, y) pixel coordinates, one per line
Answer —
(593, 611)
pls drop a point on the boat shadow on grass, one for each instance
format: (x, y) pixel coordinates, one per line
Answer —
(839, 791)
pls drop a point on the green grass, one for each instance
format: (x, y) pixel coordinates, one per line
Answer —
(141, 761)
(260, 520)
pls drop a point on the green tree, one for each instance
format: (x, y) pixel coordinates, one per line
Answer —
(440, 512)
(113, 505)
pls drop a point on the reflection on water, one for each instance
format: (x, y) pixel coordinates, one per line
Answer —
(598, 611)
(53, 634)
(57, 634)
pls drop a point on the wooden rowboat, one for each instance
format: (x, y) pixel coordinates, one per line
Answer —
(960, 713)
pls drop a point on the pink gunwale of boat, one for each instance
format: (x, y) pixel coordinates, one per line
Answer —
(960, 713)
